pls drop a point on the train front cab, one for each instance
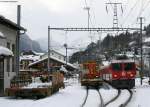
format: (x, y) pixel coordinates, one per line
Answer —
(90, 75)
(123, 74)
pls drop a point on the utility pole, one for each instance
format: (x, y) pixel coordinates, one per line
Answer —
(88, 10)
(149, 68)
(141, 46)
(88, 25)
(66, 46)
(49, 50)
(18, 38)
(115, 15)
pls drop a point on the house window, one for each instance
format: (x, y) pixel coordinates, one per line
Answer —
(8, 45)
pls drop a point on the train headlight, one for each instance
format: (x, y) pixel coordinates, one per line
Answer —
(115, 75)
(131, 75)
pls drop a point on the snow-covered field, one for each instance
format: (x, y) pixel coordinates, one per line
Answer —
(73, 96)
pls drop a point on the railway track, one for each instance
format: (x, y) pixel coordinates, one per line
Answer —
(124, 104)
(128, 100)
(114, 98)
(87, 93)
(100, 98)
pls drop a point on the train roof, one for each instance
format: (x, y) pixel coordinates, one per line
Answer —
(122, 61)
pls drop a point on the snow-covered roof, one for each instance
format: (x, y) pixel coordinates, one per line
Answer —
(37, 85)
(54, 58)
(146, 47)
(128, 54)
(2, 35)
(10, 23)
(121, 61)
(5, 51)
(147, 39)
(63, 69)
(105, 63)
(30, 57)
(132, 43)
(37, 53)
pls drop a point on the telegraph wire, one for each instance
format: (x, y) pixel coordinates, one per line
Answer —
(143, 8)
(126, 17)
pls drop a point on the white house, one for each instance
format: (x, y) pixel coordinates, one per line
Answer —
(8, 35)
(56, 60)
(55, 54)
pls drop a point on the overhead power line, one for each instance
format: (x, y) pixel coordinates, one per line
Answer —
(86, 3)
(8, 1)
(144, 8)
(146, 4)
(126, 17)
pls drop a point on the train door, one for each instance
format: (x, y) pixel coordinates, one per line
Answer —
(1, 76)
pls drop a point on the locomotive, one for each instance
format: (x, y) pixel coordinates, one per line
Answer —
(90, 74)
(118, 73)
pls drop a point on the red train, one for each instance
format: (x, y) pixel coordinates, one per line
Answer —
(119, 73)
(90, 75)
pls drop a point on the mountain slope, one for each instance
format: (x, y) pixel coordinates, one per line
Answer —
(27, 44)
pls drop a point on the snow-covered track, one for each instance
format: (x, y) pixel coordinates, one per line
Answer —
(101, 104)
(87, 92)
(123, 104)
(101, 99)
(114, 98)
(128, 100)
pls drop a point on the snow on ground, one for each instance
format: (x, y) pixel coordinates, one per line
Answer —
(93, 99)
(122, 98)
(38, 85)
(73, 96)
(107, 94)
(141, 94)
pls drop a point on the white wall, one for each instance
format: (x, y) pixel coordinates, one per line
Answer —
(11, 38)
(54, 54)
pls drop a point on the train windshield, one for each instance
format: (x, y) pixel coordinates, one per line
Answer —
(116, 66)
(128, 66)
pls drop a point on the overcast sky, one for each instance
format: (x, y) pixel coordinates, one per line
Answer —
(38, 14)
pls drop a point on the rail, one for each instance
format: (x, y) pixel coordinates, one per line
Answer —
(114, 98)
(100, 96)
(128, 100)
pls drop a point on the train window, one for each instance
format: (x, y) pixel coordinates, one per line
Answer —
(128, 66)
(116, 67)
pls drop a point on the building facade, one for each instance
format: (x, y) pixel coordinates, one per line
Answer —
(8, 32)
(55, 54)
(56, 61)
(27, 58)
